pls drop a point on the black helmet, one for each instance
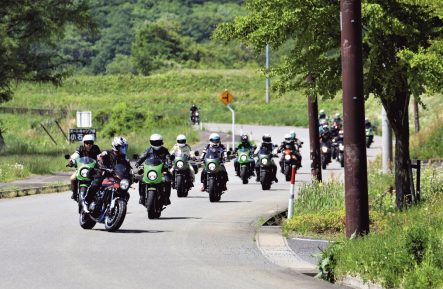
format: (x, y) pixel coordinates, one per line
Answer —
(244, 138)
(266, 138)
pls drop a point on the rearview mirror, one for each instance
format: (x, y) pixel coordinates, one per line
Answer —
(135, 156)
(196, 153)
(67, 157)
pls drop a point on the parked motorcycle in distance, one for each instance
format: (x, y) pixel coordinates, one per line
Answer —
(110, 202)
(84, 171)
(182, 180)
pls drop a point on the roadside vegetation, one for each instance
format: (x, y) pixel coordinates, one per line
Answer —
(404, 249)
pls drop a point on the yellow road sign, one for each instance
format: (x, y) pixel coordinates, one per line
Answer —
(226, 97)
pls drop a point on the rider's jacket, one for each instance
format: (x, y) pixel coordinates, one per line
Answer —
(161, 153)
(108, 159)
(184, 150)
(287, 145)
(82, 152)
(265, 148)
(219, 148)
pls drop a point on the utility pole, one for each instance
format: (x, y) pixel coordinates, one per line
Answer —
(356, 178)
(268, 81)
(233, 125)
(314, 138)
(386, 132)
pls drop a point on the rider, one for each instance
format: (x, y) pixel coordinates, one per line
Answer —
(322, 115)
(181, 147)
(266, 147)
(106, 161)
(156, 149)
(246, 145)
(87, 149)
(298, 143)
(214, 145)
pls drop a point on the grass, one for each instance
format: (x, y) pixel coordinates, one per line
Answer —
(404, 248)
(137, 106)
(427, 144)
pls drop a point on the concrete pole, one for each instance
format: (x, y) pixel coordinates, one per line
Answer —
(233, 125)
(356, 175)
(386, 141)
(268, 81)
(291, 194)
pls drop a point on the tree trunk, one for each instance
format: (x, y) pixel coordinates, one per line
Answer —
(2, 141)
(397, 110)
(314, 138)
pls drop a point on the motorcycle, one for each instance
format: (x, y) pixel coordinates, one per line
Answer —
(244, 161)
(195, 118)
(289, 159)
(182, 175)
(369, 136)
(338, 150)
(155, 180)
(110, 202)
(266, 166)
(326, 154)
(215, 181)
(84, 168)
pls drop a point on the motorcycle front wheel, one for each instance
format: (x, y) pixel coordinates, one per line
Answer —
(180, 185)
(244, 175)
(114, 219)
(85, 221)
(151, 205)
(214, 195)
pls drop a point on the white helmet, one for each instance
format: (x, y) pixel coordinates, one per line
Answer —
(88, 137)
(156, 141)
(181, 140)
(288, 137)
(120, 144)
(214, 139)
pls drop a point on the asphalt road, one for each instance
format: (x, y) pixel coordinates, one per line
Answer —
(196, 244)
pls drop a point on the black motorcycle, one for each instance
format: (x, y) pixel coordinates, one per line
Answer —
(195, 118)
(110, 202)
(326, 154)
(181, 174)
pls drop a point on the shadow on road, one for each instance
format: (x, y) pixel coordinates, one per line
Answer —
(234, 202)
(196, 197)
(179, 218)
(132, 231)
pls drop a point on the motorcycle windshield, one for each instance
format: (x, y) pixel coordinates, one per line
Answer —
(264, 151)
(85, 160)
(244, 150)
(120, 171)
(213, 154)
(153, 161)
(180, 155)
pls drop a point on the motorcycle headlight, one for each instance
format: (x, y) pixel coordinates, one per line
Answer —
(264, 161)
(341, 147)
(324, 149)
(84, 173)
(243, 158)
(179, 164)
(124, 184)
(287, 157)
(152, 175)
(211, 167)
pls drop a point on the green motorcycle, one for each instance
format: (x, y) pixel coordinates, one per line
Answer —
(154, 180)
(214, 175)
(84, 170)
(244, 161)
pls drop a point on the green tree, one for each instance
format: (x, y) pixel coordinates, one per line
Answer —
(402, 48)
(29, 32)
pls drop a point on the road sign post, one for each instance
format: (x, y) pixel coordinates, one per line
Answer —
(226, 97)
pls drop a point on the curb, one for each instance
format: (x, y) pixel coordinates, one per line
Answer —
(275, 248)
(21, 192)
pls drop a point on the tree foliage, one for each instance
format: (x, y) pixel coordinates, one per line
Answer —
(402, 49)
(29, 31)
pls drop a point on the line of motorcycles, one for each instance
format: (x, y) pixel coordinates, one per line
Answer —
(109, 204)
